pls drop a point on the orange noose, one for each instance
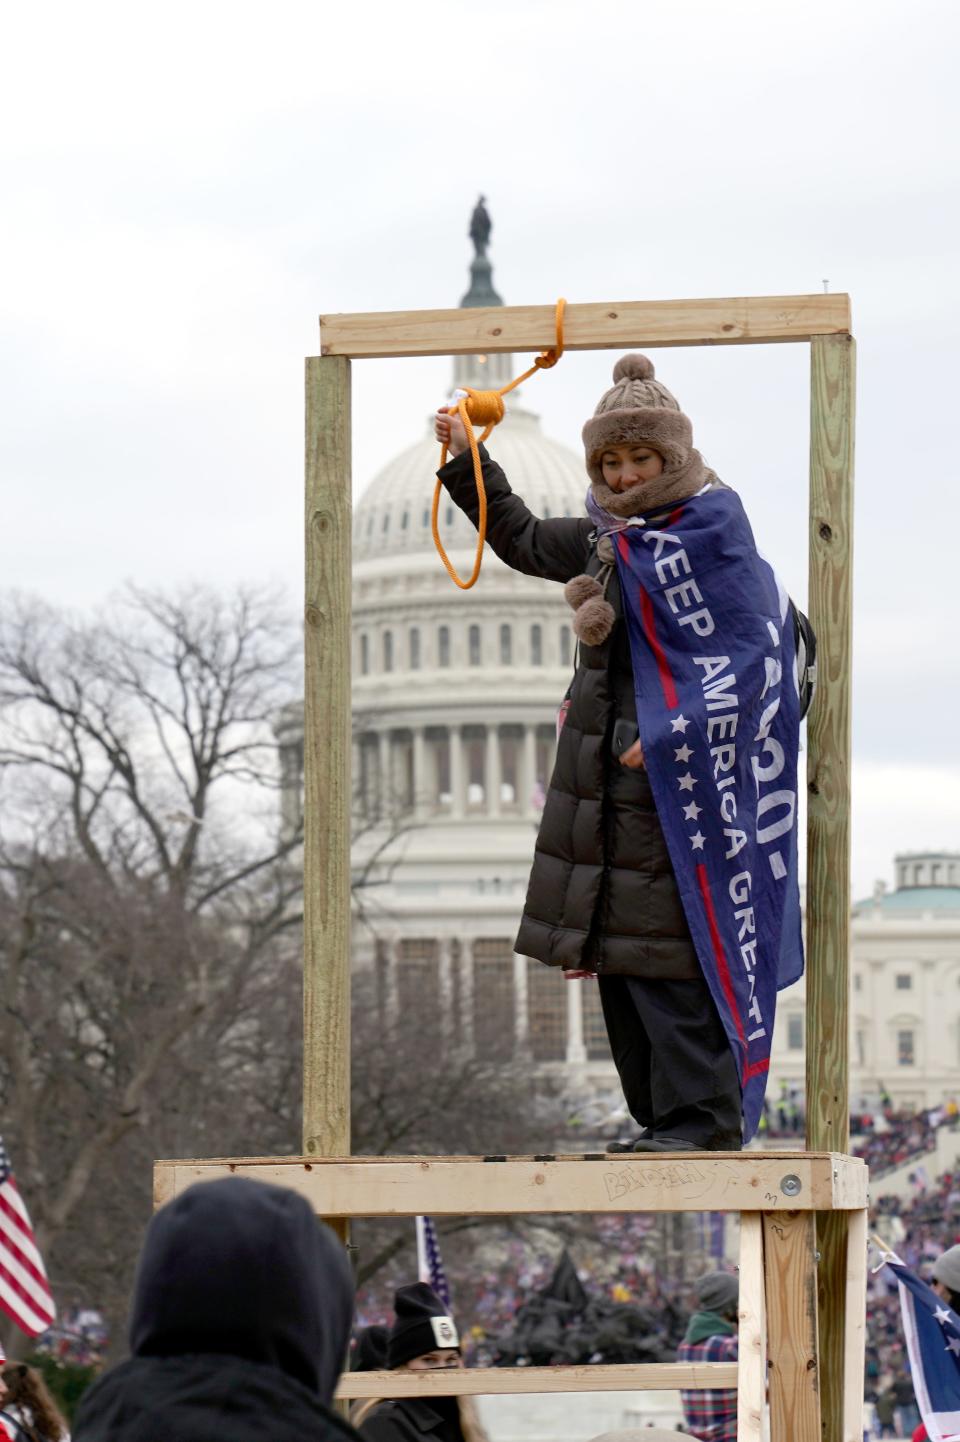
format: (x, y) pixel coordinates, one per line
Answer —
(486, 409)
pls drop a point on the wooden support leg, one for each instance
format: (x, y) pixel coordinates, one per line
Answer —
(789, 1245)
(752, 1336)
(326, 761)
(828, 823)
(854, 1342)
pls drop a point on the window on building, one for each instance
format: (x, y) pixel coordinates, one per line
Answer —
(546, 745)
(475, 755)
(546, 1013)
(594, 1028)
(418, 983)
(506, 646)
(426, 518)
(494, 1007)
(861, 1048)
(536, 645)
(511, 741)
(857, 981)
(443, 646)
(404, 520)
(382, 981)
(904, 981)
(473, 645)
(364, 654)
(906, 1047)
(388, 650)
(795, 1032)
(414, 648)
(449, 515)
(566, 645)
(386, 522)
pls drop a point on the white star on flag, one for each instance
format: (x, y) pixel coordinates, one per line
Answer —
(683, 753)
(942, 1315)
(954, 1346)
(691, 812)
(697, 840)
(687, 782)
(680, 723)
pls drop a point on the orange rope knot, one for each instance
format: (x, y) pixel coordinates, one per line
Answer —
(486, 409)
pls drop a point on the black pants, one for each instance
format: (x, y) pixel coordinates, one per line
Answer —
(676, 1068)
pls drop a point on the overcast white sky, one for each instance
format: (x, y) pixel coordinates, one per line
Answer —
(185, 188)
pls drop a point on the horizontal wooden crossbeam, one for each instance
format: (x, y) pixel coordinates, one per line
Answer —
(473, 1186)
(501, 1381)
(614, 325)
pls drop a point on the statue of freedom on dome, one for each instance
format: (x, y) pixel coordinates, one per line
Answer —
(480, 227)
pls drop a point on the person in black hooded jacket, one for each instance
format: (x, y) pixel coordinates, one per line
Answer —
(241, 1318)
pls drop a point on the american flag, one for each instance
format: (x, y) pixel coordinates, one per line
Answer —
(429, 1261)
(24, 1290)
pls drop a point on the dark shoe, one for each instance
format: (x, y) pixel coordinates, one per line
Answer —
(665, 1144)
(629, 1144)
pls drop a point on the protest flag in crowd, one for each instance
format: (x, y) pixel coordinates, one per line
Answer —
(24, 1290)
(932, 1331)
(429, 1261)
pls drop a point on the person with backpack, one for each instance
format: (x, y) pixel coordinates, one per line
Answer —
(666, 859)
(28, 1413)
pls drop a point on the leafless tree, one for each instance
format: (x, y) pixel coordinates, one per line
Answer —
(144, 900)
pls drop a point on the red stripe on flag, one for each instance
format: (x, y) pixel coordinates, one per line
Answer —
(663, 668)
(8, 1244)
(755, 1068)
(720, 956)
(31, 1304)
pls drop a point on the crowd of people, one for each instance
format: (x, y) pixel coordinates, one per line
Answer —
(288, 1314)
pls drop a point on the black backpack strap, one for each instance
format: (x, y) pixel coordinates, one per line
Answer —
(805, 645)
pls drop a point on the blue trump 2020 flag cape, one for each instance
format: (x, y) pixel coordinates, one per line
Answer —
(714, 665)
(932, 1331)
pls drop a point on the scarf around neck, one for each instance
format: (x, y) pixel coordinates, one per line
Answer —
(614, 510)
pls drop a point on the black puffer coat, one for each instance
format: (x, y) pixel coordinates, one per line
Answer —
(602, 894)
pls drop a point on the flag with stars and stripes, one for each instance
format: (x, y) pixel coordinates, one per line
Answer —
(429, 1261)
(24, 1290)
(932, 1331)
(718, 706)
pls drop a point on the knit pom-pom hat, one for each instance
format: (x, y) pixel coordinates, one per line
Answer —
(638, 409)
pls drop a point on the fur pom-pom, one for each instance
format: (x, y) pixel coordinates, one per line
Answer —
(580, 589)
(593, 621)
(634, 367)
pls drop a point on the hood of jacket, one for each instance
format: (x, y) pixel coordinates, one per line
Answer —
(203, 1399)
(244, 1269)
(707, 1324)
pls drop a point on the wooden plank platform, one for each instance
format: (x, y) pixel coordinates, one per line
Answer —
(473, 1186)
(501, 1381)
(607, 325)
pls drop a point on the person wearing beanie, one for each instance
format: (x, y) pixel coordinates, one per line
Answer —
(648, 873)
(711, 1336)
(423, 1338)
(239, 1326)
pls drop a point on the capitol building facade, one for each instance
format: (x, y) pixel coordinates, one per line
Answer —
(455, 696)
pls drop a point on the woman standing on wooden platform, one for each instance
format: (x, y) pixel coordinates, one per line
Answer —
(666, 858)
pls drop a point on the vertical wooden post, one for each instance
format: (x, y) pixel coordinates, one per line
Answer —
(856, 1330)
(828, 825)
(752, 1331)
(789, 1240)
(326, 762)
